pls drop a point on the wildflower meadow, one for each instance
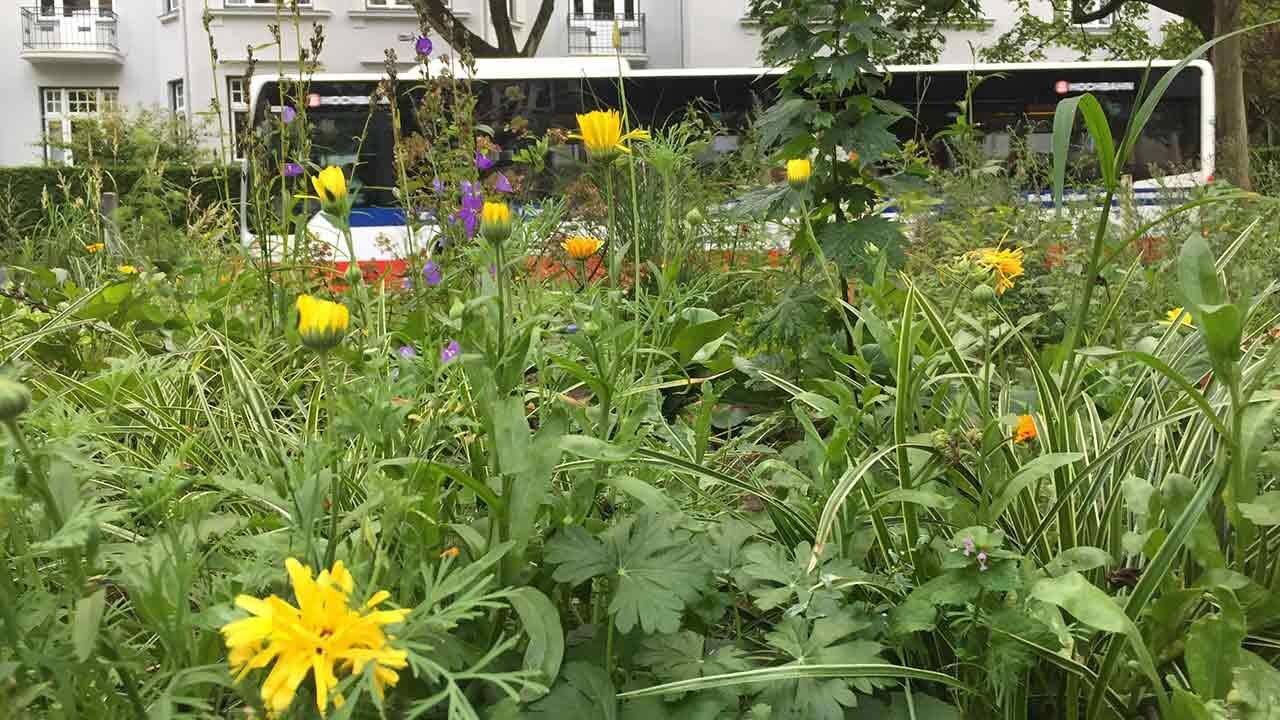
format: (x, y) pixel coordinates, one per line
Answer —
(807, 429)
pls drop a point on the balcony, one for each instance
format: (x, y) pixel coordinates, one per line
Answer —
(70, 36)
(592, 34)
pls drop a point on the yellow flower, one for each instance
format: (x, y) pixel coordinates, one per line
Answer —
(1026, 429)
(127, 269)
(582, 247)
(1005, 265)
(601, 132)
(450, 552)
(323, 635)
(1171, 317)
(495, 222)
(321, 323)
(331, 188)
(95, 247)
(798, 172)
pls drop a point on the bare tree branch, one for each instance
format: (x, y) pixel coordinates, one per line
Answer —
(1079, 16)
(500, 15)
(539, 28)
(459, 36)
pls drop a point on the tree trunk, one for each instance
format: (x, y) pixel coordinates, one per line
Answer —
(1232, 120)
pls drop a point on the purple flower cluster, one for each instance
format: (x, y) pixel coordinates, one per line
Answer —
(969, 547)
(407, 352)
(288, 114)
(483, 162)
(292, 169)
(431, 273)
(450, 352)
(472, 204)
(502, 184)
(423, 46)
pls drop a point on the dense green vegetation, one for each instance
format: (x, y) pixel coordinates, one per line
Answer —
(616, 459)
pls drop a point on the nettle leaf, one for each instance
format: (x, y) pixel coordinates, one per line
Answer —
(779, 119)
(855, 246)
(821, 642)
(683, 656)
(656, 569)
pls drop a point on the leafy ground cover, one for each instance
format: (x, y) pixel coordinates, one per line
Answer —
(616, 459)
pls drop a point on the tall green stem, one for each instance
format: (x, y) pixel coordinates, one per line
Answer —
(335, 483)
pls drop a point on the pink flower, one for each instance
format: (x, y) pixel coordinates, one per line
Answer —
(450, 352)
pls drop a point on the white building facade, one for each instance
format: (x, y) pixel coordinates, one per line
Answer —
(68, 60)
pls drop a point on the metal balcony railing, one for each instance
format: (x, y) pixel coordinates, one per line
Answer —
(70, 30)
(592, 33)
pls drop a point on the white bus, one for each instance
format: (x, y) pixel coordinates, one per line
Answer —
(1013, 108)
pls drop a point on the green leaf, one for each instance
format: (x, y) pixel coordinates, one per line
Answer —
(529, 491)
(541, 623)
(683, 656)
(578, 556)
(1264, 510)
(654, 567)
(917, 497)
(691, 339)
(822, 643)
(1088, 604)
(1038, 468)
(88, 618)
(1221, 326)
(511, 436)
(1187, 706)
(1197, 274)
(594, 448)
(1257, 682)
(651, 497)
(1213, 647)
(583, 691)
(855, 247)
(919, 611)
(1077, 559)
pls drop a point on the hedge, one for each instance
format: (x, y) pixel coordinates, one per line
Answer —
(23, 186)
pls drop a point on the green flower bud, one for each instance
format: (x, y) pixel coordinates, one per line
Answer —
(15, 398)
(984, 294)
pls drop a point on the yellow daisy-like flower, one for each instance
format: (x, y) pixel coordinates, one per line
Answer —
(601, 132)
(581, 247)
(322, 636)
(95, 247)
(1026, 429)
(331, 188)
(321, 323)
(1171, 317)
(495, 222)
(1004, 265)
(127, 270)
(798, 172)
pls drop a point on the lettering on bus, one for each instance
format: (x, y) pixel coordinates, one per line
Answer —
(1063, 87)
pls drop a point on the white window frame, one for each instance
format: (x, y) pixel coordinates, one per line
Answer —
(169, 7)
(56, 107)
(236, 107)
(614, 8)
(178, 97)
(260, 3)
(391, 4)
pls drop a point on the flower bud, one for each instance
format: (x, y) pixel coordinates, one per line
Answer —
(984, 294)
(15, 398)
(495, 222)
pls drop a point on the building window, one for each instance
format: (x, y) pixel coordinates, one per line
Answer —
(606, 8)
(169, 6)
(383, 4)
(237, 115)
(177, 97)
(65, 109)
(261, 3)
